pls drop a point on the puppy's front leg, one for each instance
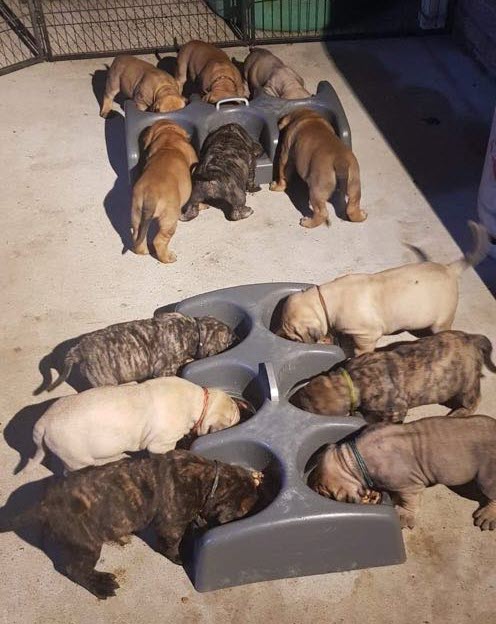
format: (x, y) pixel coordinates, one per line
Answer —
(407, 503)
(169, 538)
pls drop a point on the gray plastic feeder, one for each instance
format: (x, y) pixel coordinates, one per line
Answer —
(259, 117)
(298, 532)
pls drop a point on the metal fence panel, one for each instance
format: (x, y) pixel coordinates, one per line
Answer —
(83, 28)
(20, 37)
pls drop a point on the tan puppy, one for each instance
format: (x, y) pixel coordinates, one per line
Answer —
(99, 425)
(367, 306)
(149, 87)
(217, 76)
(311, 146)
(163, 188)
(264, 70)
(405, 459)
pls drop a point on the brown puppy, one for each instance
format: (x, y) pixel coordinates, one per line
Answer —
(163, 188)
(217, 76)
(311, 146)
(149, 87)
(405, 459)
(366, 306)
(263, 70)
(107, 503)
(385, 385)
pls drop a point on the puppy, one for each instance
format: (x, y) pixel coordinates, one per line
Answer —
(149, 87)
(163, 187)
(107, 503)
(310, 145)
(368, 306)
(263, 70)
(139, 350)
(226, 170)
(217, 75)
(405, 459)
(99, 425)
(385, 385)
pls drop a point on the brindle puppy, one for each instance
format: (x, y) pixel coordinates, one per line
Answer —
(385, 385)
(139, 350)
(225, 172)
(107, 503)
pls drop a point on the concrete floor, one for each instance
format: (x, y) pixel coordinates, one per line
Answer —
(65, 203)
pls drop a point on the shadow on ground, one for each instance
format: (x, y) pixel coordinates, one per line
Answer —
(434, 107)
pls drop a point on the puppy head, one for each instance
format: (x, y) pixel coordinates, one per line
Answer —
(326, 394)
(222, 412)
(166, 102)
(222, 89)
(299, 320)
(329, 479)
(161, 133)
(215, 336)
(236, 494)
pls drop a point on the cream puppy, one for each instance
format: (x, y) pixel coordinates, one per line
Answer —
(367, 306)
(97, 426)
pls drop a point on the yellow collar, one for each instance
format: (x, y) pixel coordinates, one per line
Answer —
(351, 387)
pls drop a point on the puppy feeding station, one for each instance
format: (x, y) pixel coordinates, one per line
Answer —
(298, 532)
(259, 117)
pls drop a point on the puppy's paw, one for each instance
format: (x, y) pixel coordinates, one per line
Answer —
(103, 584)
(407, 519)
(241, 213)
(485, 517)
(167, 258)
(310, 222)
(278, 186)
(254, 189)
(358, 216)
(142, 249)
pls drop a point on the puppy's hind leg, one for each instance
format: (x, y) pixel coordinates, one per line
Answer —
(193, 206)
(239, 209)
(167, 227)
(139, 226)
(252, 186)
(280, 183)
(485, 516)
(353, 190)
(112, 88)
(81, 569)
(318, 198)
(468, 400)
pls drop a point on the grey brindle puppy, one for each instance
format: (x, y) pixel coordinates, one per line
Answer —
(405, 459)
(144, 349)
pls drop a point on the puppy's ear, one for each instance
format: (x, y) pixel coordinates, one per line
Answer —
(148, 137)
(283, 122)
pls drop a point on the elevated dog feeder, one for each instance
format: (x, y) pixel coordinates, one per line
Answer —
(259, 117)
(298, 532)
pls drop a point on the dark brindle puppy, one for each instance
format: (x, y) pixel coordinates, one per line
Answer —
(385, 385)
(144, 349)
(225, 172)
(107, 503)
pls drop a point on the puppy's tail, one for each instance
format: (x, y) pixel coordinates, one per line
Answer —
(39, 456)
(72, 357)
(484, 344)
(33, 515)
(479, 252)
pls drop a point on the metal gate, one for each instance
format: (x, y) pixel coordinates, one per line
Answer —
(20, 37)
(67, 29)
(90, 28)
